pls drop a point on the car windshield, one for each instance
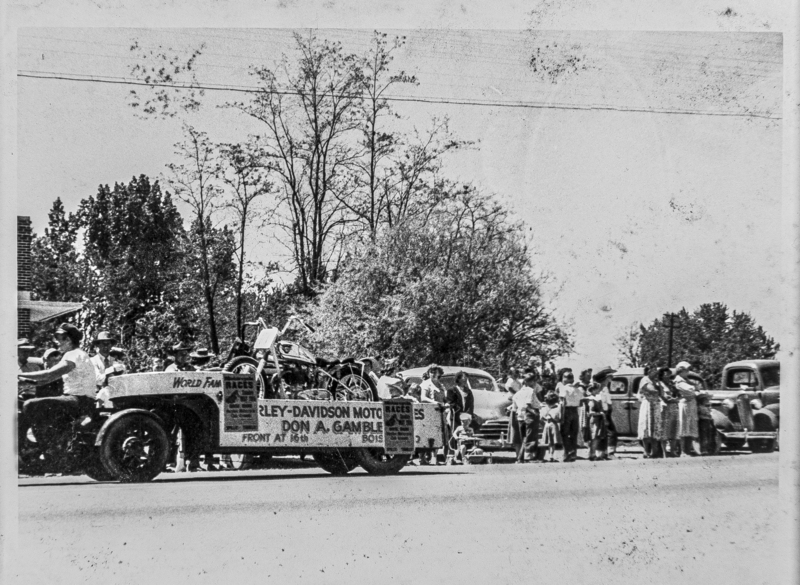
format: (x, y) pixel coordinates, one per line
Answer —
(771, 376)
(480, 383)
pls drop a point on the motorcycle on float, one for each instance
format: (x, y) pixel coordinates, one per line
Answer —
(69, 447)
(286, 369)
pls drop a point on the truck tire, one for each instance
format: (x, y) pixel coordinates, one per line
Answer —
(244, 364)
(761, 445)
(134, 449)
(337, 462)
(94, 469)
(376, 462)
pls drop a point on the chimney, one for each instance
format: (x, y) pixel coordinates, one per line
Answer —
(23, 273)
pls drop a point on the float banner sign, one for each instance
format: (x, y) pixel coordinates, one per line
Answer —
(241, 403)
(316, 423)
(398, 417)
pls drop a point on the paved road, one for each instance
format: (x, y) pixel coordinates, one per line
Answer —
(700, 520)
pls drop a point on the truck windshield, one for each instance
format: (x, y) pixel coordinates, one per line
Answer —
(771, 376)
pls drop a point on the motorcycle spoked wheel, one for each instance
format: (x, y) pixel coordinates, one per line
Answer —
(351, 385)
(135, 449)
(244, 364)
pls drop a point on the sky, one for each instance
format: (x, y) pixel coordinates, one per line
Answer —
(648, 176)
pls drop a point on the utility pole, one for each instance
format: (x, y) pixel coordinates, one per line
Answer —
(672, 326)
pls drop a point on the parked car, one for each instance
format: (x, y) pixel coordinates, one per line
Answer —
(491, 401)
(758, 423)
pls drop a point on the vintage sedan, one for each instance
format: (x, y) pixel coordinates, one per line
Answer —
(491, 402)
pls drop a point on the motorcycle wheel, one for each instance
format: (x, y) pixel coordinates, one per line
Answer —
(135, 449)
(376, 462)
(353, 386)
(244, 364)
(336, 463)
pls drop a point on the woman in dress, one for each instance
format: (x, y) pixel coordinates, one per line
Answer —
(596, 423)
(551, 415)
(687, 409)
(649, 412)
(669, 413)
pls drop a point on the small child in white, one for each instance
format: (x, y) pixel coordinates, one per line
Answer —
(464, 436)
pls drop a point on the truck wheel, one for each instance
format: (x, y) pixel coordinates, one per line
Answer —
(376, 462)
(135, 449)
(95, 470)
(762, 445)
(337, 462)
(244, 364)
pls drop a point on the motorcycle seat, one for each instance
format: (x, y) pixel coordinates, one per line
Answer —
(323, 363)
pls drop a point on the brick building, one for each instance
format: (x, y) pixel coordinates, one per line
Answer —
(29, 311)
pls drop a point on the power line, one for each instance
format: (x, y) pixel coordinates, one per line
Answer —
(76, 77)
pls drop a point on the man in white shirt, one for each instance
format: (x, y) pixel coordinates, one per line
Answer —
(101, 360)
(526, 406)
(49, 416)
(512, 383)
(571, 398)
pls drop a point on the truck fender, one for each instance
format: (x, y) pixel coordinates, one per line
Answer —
(118, 415)
(765, 420)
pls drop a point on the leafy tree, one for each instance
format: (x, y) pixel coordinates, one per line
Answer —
(133, 246)
(708, 338)
(456, 287)
(217, 262)
(57, 268)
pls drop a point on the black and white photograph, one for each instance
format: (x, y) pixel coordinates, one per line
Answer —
(401, 292)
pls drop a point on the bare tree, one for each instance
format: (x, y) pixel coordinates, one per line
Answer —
(193, 183)
(241, 168)
(310, 110)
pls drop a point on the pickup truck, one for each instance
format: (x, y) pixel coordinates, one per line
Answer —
(759, 382)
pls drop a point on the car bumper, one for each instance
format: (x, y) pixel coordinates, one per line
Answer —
(749, 435)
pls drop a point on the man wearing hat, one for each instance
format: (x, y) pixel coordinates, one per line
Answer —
(604, 378)
(25, 350)
(180, 353)
(200, 358)
(102, 359)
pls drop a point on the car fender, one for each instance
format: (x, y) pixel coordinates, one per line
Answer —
(765, 420)
(118, 415)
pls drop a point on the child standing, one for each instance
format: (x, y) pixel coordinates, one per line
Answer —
(551, 415)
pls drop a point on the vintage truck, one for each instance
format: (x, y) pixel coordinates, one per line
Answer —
(221, 412)
(757, 427)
